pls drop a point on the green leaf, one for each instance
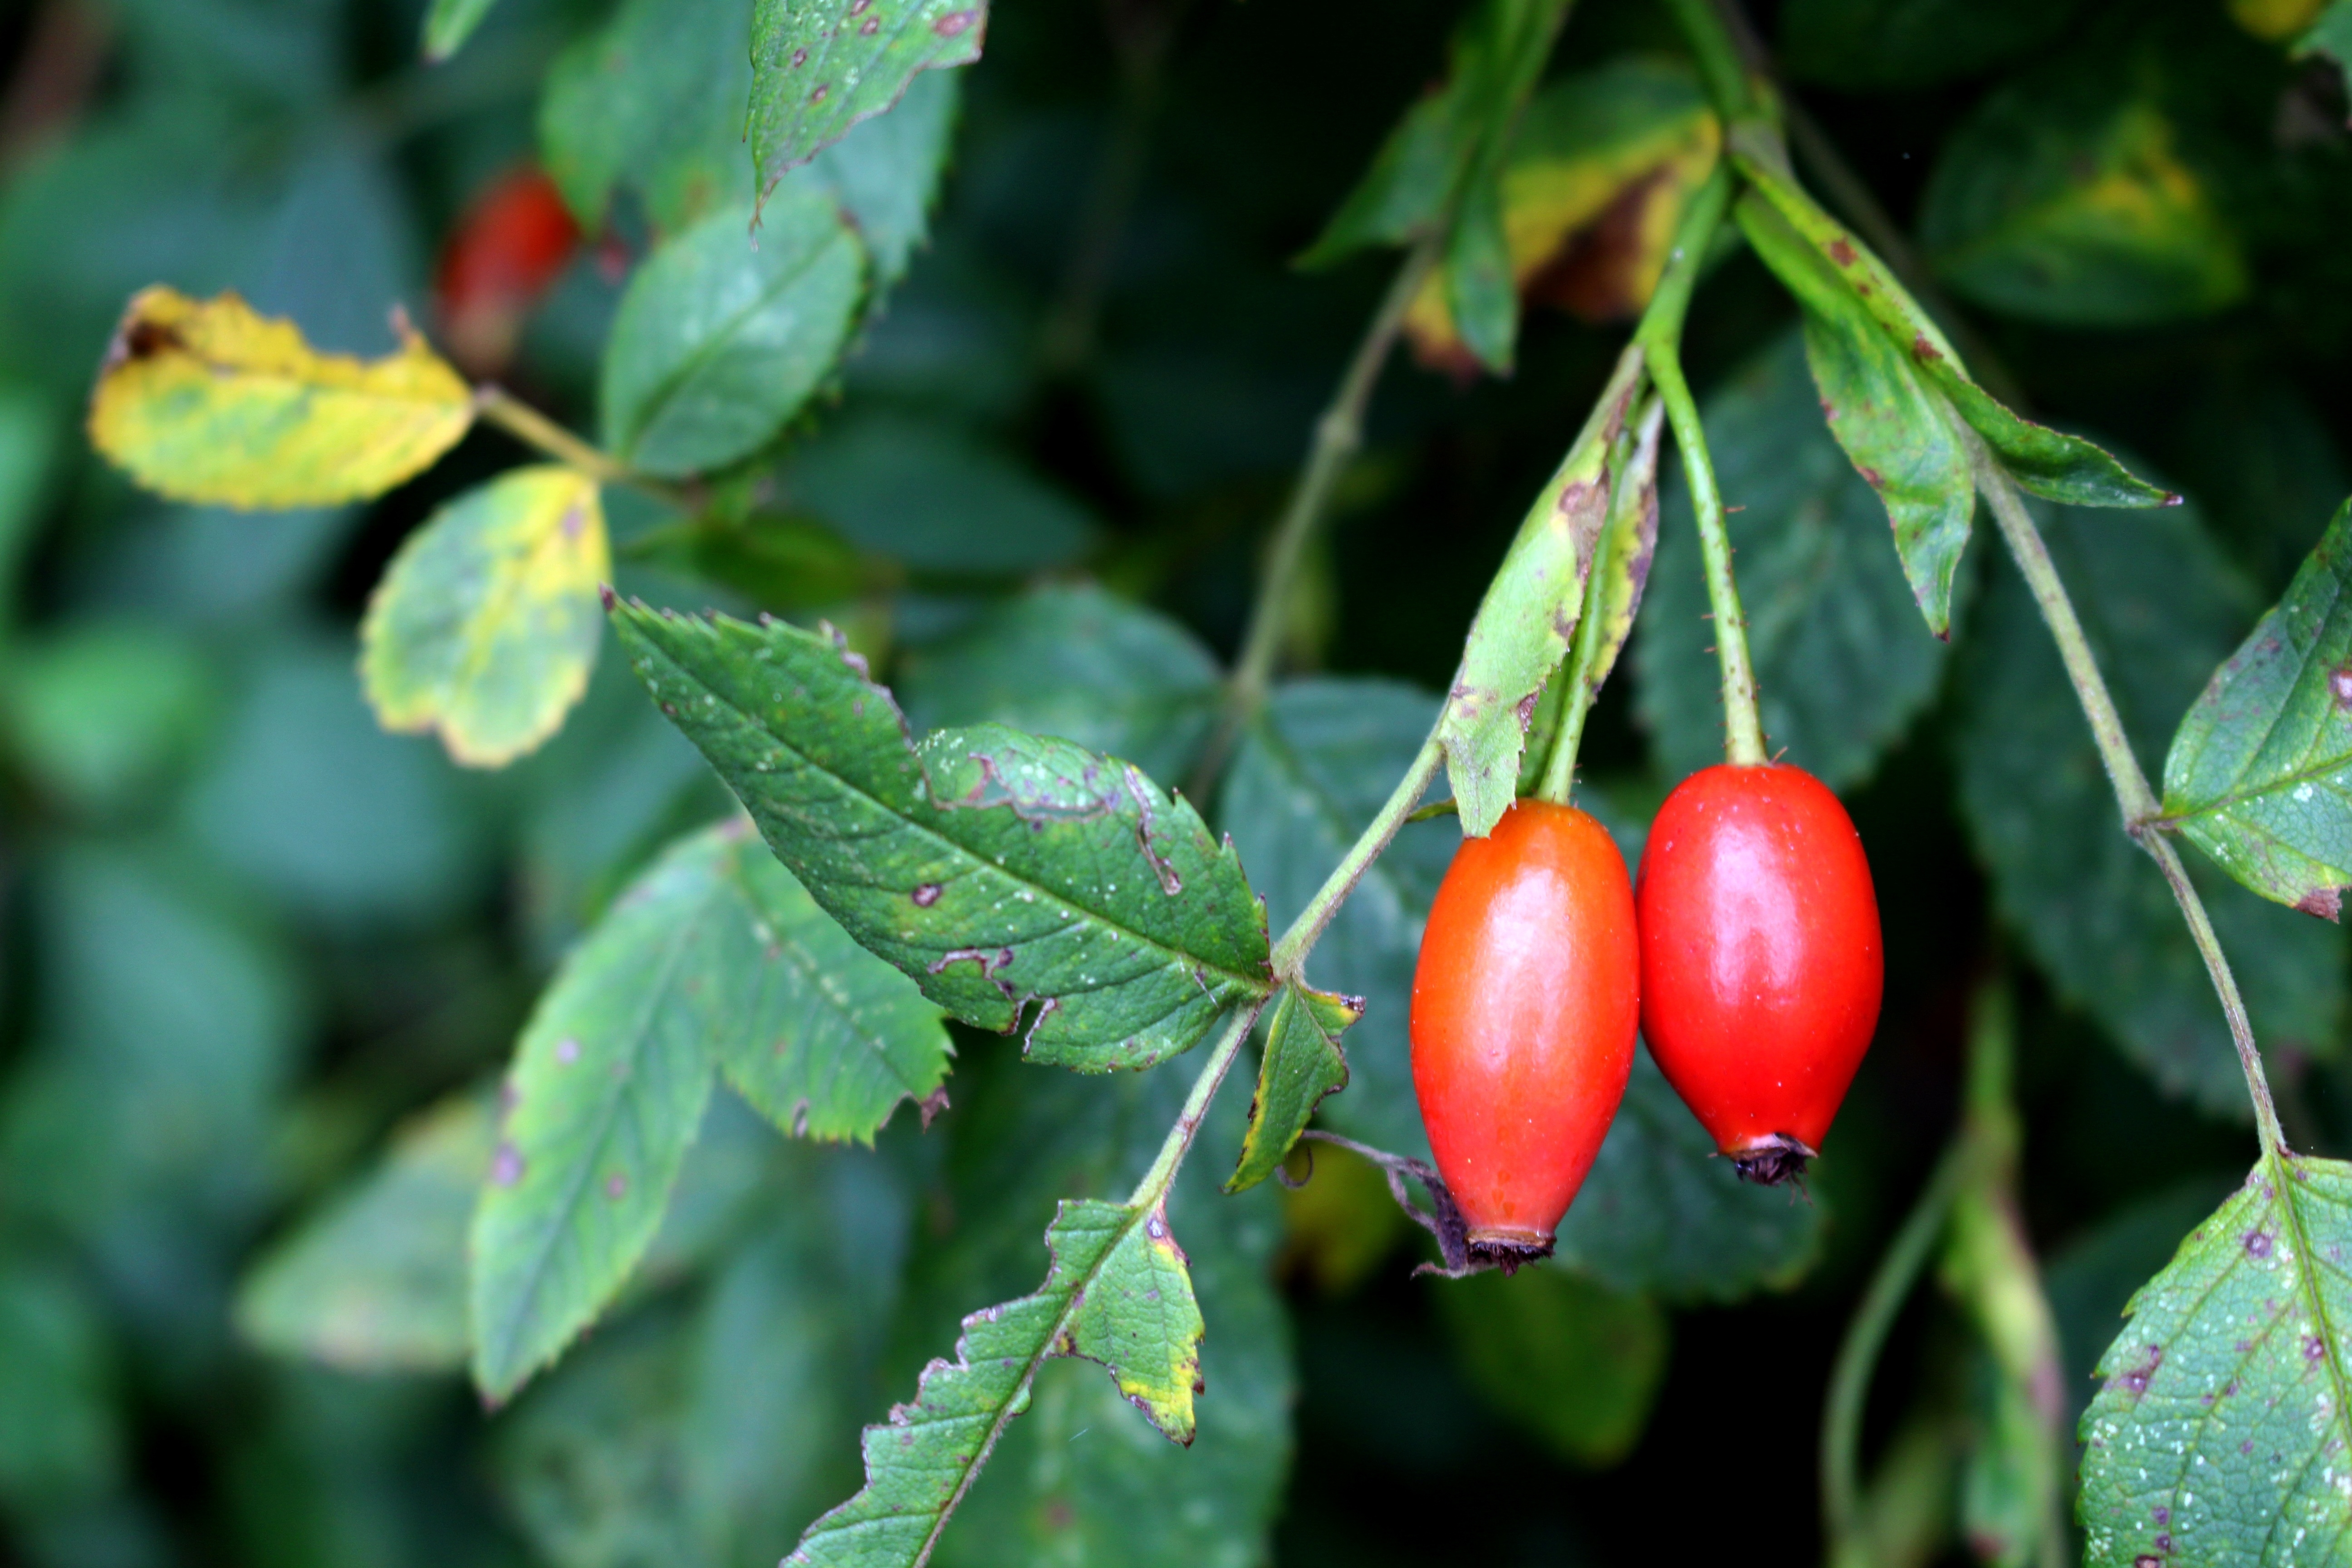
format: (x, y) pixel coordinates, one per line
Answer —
(1660, 1215)
(61, 1435)
(2260, 774)
(450, 22)
(1522, 629)
(103, 714)
(1481, 295)
(712, 956)
(722, 336)
(1576, 1365)
(2331, 36)
(818, 67)
(1311, 773)
(1022, 883)
(1302, 1064)
(2160, 607)
(925, 493)
(2058, 200)
(1899, 430)
(2091, 1278)
(886, 173)
(29, 437)
(2049, 463)
(1843, 665)
(484, 625)
(375, 1280)
(1877, 45)
(1116, 1292)
(2219, 1434)
(1079, 1477)
(1078, 663)
(1404, 191)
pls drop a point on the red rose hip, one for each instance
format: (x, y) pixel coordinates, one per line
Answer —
(1525, 1005)
(1761, 964)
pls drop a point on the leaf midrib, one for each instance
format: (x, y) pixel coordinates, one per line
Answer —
(1253, 985)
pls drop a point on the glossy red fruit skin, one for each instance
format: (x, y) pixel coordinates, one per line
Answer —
(1761, 963)
(1525, 1005)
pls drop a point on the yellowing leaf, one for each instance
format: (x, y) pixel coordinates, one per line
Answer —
(2275, 21)
(1598, 177)
(484, 625)
(206, 401)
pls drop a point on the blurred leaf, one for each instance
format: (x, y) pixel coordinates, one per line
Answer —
(29, 435)
(321, 809)
(2059, 202)
(777, 561)
(483, 626)
(654, 100)
(720, 339)
(2258, 456)
(374, 1280)
(1842, 664)
(1592, 191)
(1660, 1215)
(997, 869)
(1073, 662)
(205, 401)
(103, 714)
(1875, 45)
(2259, 768)
(2045, 461)
(713, 956)
(1528, 614)
(1308, 776)
(2331, 36)
(818, 67)
(1302, 1064)
(2224, 1403)
(217, 567)
(1482, 297)
(61, 1437)
(1080, 1477)
(2092, 1278)
(932, 497)
(450, 22)
(886, 173)
(1574, 1364)
(1901, 434)
(1341, 1224)
(2160, 607)
(2274, 21)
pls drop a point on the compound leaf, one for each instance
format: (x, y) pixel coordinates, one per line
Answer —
(484, 625)
(2260, 774)
(2219, 1435)
(818, 67)
(720, 339)
(206, 401)
(1021, 882)
(1301, 1065)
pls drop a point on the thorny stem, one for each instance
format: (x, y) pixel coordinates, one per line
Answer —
(1660, 335)
(532, 429)
(1337, 435)
(1857, 1356)
(2133, 795)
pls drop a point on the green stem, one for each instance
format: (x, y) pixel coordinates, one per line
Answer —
(1857, 1357)
(1660, 335)
(1290, 952)
(2138, 801)
(534, 429)
(1338, 434)
(1720, 65)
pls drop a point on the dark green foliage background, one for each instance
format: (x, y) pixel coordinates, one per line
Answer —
(244, 934)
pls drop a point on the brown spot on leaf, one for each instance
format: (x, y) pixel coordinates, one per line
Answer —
(2258, 1244)
(1841, 252)
(506, 1166)
(932, 1105)
(927, 895)
(955, 24)
(1923, 351)
(2134, 1379)
(823, 87)
(2328, 903)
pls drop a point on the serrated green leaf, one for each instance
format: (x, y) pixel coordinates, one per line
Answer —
(1022, 883)
(1116, 1292)
(1843, 665)
(2048, 462)
(1522, 629)
(1302, 1064)
(2260, 773)
(2160, 607)
(818, 67)
(2061, 200)
(450, 22)
(1073, 661)
(1311, 773)
(2220, 1433)
(484, 625)
(1660, 1215)
(722, 335)
(709, 958)
(1898, 429)
(1577, 1365)
(375, 1280)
